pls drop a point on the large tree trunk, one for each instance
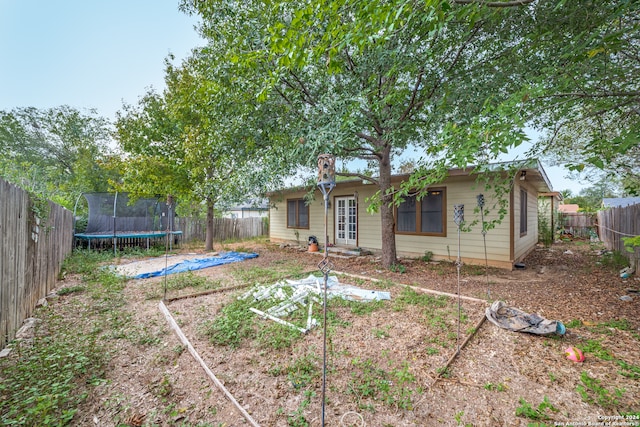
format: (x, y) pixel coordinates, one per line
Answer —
(208, 240)
(386, 210)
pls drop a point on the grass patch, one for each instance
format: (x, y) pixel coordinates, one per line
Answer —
(44, 383)
(190, 280)
(71, 290)
(615, 260)
(410, 296)
(369, 383)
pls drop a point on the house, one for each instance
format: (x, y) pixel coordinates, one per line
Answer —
(250, 209)
(620, 202)
(569, 208)
(421, 225)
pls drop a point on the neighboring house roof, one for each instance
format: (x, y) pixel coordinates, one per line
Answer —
(569, 208)
(251, 205)
(620, 202)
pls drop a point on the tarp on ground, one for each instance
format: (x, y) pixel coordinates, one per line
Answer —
(517, 320)
(199, 264)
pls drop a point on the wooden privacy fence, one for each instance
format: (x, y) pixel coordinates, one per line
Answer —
(579, 224)
(616, 223)
(223, 228)
(31, 254)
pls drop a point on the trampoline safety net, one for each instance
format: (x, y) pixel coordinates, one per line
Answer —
(109, 213)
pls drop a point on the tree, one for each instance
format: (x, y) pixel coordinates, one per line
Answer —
(367, 79)
(200, 140)
(586, 98)
(57, 153)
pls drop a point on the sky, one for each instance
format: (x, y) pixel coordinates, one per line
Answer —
(94, 54)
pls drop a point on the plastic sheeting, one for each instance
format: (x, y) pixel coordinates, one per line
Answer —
(517, 320)
(199, 264)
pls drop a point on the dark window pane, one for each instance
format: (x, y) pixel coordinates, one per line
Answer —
(291, 213)
(431, 213)
(303, 214)
(407, 215)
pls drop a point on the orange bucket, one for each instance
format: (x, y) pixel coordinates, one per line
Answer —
(313, 247)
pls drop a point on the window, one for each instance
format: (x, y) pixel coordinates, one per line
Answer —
(426, 216)
(523, 212)
(297, 214)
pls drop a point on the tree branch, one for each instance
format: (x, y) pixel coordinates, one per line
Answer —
(359, 175)
(512, 3)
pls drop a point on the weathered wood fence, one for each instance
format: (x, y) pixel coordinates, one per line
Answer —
(31, 255)
(579, 224)
(616, 223)
(223, 228)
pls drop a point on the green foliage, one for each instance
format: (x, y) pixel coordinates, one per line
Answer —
(539, 413)
(398, 268)
(595, 348)
(47, 380)
(368, 382)
(70, 290)
(614, 260)
(190, 280)
(297, 419)
(410, 296)
(545, 233)
(630, 243)
(427, 257)
(55, 153)
(574, 323)
(593, 392)
(304, 371)
(233, 324)
(276, 336)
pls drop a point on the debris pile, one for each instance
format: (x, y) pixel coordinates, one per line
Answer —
(293, 295)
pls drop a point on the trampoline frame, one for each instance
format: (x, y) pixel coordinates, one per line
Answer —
(115, 235)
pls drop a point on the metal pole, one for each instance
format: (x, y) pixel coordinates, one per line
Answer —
(480, 198)
(458, 218)
(115, 239)
(326, 182)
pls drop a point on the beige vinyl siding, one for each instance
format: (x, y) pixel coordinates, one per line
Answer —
(278, 230)
(462, 190)
(459, 190)
(524, 244)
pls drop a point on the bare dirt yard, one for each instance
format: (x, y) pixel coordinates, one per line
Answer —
(389, 363)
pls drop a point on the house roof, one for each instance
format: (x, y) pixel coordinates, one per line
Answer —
(620, 202)
(532, 169)
(568, 208)
(251, 205)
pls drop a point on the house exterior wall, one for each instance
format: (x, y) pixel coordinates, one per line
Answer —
(458, 190)
(523, 244)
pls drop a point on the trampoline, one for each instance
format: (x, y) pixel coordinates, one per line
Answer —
(113, 220)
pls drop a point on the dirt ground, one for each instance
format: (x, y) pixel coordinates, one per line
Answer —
(384, 366)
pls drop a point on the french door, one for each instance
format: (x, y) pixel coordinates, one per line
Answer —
(346, 221)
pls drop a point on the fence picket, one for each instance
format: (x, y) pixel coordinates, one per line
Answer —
(615, 224)
(31, 255)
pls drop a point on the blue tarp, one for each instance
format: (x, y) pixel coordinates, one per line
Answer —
(199, 263)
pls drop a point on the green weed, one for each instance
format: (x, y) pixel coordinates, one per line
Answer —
(427, 257)
(539, 413)
(71, 290)
(593, 393)
(370, 383)
(304, 370)
(398, 268)
(595, 348)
